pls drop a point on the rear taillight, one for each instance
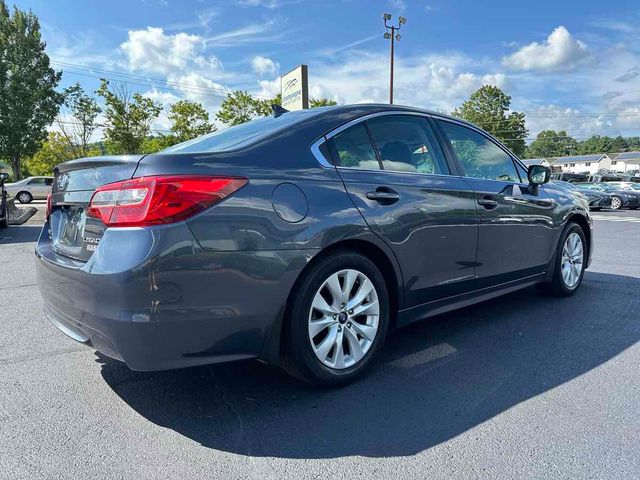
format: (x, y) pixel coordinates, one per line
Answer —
(47, 212)
(159, 200)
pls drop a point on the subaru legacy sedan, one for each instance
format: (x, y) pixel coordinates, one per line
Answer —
(300, 239)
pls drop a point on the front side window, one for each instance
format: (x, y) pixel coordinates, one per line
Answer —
(479, 156)
(406, 143)
(352, 148)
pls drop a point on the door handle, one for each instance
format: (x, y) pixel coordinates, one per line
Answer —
(384, 195)
(488, 203)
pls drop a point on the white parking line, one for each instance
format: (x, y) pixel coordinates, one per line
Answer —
(618, 218)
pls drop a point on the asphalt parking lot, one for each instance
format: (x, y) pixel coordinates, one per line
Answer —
(520, 387)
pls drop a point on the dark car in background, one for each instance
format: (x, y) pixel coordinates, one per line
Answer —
(620, 198)
(299, 239)
(596, 199)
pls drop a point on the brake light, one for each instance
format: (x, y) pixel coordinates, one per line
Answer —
(47, 212)
(158, 200)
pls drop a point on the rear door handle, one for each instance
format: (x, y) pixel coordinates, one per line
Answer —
(384, 195)
(488, 203)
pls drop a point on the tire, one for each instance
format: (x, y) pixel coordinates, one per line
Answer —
(616, 203)
(559, 285)
(334, 327)
(24, 197)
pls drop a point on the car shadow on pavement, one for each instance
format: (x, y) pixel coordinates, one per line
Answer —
(20, 234)
(436, 380)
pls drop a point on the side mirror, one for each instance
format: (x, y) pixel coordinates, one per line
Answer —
(3, 177)
(538, 174)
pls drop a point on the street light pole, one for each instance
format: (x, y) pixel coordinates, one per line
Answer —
(393, 36)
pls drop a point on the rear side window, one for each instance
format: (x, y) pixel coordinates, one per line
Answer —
(407, 144)
(479, 156)
(37, 181)
(352, 148)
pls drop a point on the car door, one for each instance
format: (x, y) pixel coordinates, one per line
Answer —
(37, 187)
(516, 232)
(395, 172)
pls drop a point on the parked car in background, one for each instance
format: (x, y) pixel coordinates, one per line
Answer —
(596, 199)
(30, 188)
(4, 211)
(633, 186)
(619, 198)
(300, 239)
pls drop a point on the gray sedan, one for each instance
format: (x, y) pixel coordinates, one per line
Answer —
(300, 239)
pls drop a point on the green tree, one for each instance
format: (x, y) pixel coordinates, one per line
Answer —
(595, 144)
(158, 142)
(28, 100)
(189, 120)
(240, 107)
(77, 119)
(550, 143)
(487, 108)
(322, 102)
(55, 149)
(128, 117)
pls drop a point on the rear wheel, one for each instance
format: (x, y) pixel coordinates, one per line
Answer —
(570, 262)
(616, 203)
(24, 197)
(338, 320)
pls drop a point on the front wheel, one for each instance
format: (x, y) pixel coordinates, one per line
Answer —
(570, 262)
(337, 321)
(24, 197)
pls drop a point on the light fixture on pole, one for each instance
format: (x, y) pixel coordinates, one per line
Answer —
(391, 34)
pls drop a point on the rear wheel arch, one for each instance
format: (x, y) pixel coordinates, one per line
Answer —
(377, 255)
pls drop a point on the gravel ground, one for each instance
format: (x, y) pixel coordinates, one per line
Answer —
(519, 387)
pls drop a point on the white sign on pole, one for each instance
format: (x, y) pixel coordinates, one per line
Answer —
(294, 87)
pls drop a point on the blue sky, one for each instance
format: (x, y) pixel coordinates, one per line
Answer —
(568, 64)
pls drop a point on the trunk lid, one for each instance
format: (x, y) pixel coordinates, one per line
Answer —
(73, 233)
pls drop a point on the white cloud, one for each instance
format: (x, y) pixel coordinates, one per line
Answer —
(268, 88)
(152, 50)
(561, 51)
(264, 66)
(398, 5)
(430, 81)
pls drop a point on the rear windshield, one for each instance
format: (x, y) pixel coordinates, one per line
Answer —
(240, 136)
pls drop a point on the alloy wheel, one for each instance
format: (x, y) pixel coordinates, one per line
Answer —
(24, 198)
(343, 320)
(616, 203)
(572, 260)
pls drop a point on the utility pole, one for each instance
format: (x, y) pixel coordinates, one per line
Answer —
(394, 37)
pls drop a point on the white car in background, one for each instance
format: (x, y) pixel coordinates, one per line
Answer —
(30, 188)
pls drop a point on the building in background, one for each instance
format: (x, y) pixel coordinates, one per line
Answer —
(588, 164)
(625, 162)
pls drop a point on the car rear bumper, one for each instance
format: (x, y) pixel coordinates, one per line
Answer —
(155, 300)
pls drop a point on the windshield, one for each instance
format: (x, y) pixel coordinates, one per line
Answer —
(240, 136)
(606, 188)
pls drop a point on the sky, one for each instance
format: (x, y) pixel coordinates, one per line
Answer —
(568, 65)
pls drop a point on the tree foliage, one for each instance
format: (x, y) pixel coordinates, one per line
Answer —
(128, 117)
(189, 120)
(488, 108)
(240, 107)
(77, 119)
(550, 143)
(28, 100)
(322, 102)
(54, 150)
